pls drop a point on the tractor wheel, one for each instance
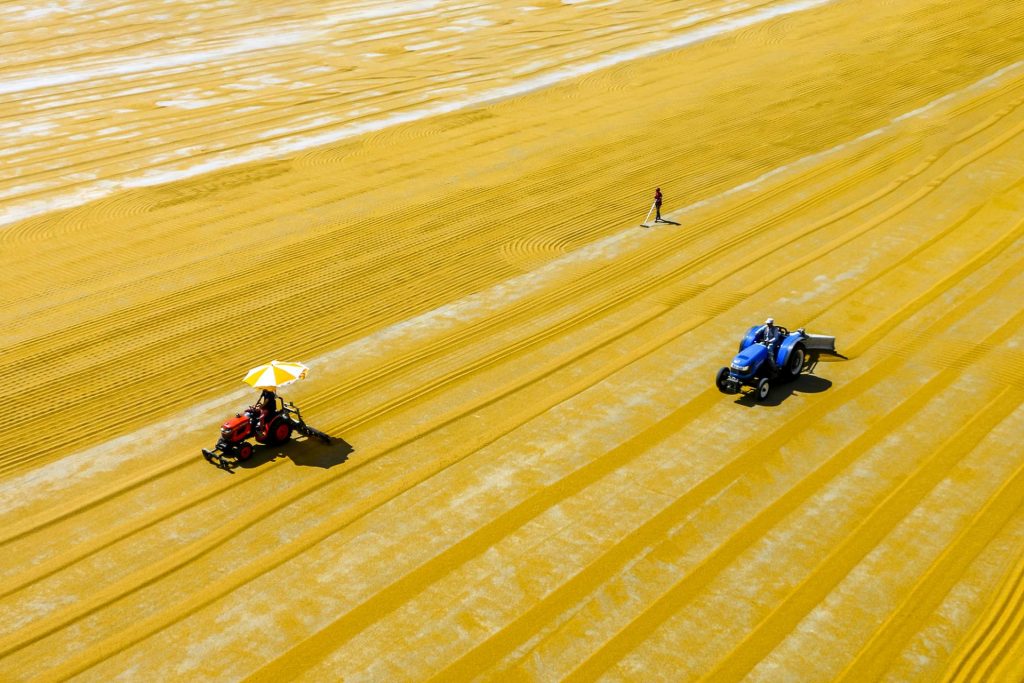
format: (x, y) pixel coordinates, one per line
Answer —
(280, 431)
(244, 450)
(795, 362)
(720, 378)
(763, 387)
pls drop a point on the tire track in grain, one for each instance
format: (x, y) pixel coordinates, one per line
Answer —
(792, 185)
(936, 582)
(846, 554)
(682, 591)
(503, 643)
(57, 517)
(997, 632)
(82, 435)
(206, 545)
(446, 564)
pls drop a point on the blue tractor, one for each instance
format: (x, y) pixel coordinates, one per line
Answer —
(770, 353)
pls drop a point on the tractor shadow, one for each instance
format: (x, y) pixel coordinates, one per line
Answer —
(806, 383)
(303, 452)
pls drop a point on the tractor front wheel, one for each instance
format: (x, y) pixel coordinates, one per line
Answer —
(720, 378)
(763, 387)
(244, 450)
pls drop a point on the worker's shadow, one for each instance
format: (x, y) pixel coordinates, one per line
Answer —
(665, 221)
(303, 452)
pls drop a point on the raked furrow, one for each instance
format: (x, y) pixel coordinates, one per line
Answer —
(677, 596)
(435, 207)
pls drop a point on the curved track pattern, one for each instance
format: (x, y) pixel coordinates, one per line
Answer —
(533, 476)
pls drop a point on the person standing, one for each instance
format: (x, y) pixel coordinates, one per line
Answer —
(657, 205)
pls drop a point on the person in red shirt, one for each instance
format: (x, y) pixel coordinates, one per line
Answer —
(657, 205)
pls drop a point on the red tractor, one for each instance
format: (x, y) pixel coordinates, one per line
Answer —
(270, 421)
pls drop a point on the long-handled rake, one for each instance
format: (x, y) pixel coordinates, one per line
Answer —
(644, 224)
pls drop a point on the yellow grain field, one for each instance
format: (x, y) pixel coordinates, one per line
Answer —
(436, 207)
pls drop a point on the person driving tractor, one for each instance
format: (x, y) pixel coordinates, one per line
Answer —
(767, 334)
(270, 421)
(265, 407)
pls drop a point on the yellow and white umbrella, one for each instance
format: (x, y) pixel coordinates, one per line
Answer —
(275, 374)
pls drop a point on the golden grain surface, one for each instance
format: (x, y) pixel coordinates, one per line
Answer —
(435, 206)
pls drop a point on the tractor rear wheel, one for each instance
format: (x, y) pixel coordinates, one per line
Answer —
(244, 450)
(280, 431)
(795, 362)
(763, 387)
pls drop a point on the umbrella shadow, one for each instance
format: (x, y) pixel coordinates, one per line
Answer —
(303, 452)
(315, 453)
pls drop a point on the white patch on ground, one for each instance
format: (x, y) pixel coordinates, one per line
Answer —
(704, 15)
(185, 103)
(35, 608)
(780, 170)
(33, 13)
(359, 112)
(444, 91)
(824, 287)
(452, 76)
(423, 46)
(40, 128)
(306, 125)
(383, 35)
(443, 50)
(692, 19)
(145, 64)
(387, 10)
(270, 79)
(49, 480)
(82, 177)
(475, 22)
(30, 188)
(129, 675)
(295, 144)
